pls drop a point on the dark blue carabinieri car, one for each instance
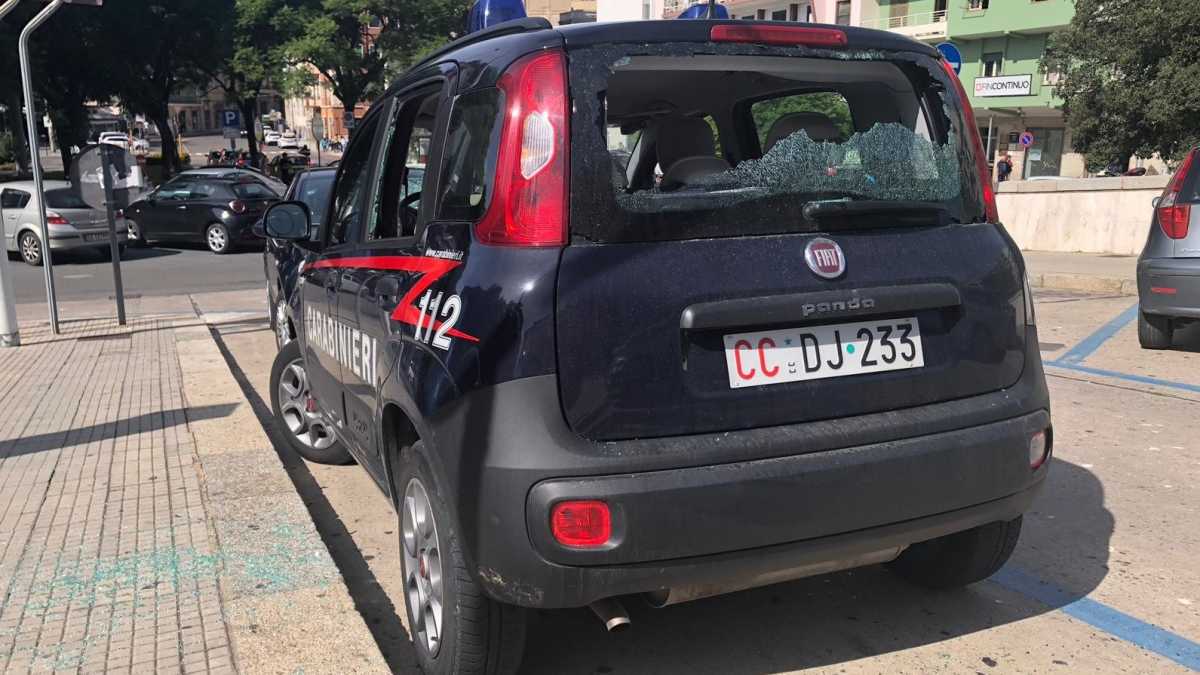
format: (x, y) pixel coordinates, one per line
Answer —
(675, 309)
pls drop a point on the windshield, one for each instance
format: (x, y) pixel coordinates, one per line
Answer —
(701, 145)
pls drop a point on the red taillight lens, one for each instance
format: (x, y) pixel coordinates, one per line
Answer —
(53, 218)
(529, 200)
(237, 206)
(1173, 218)
(119, 213)
(779, 35)
(581, 524)
(981, 166)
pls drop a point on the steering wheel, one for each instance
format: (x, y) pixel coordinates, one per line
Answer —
(408, 213)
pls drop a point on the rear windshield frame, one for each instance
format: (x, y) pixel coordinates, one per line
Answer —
(594, 212)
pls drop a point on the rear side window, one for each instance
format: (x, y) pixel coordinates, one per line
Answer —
(13, 199)
(470, 156)
(64, 198)
(685, 145)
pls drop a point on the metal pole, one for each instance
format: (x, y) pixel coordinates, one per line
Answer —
(114, 247)
(10, 333)
(31, 124)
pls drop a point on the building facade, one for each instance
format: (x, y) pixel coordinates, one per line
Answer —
(196, 111)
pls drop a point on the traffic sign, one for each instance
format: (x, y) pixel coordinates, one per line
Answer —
(231, 123)
(950, 52)
(318, 128)
(1027, 138)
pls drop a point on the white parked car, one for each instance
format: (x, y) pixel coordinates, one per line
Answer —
(72, 223)
(271, 137)
(289, 141)
(125, 142)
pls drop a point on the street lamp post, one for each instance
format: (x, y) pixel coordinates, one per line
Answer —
(10, 334)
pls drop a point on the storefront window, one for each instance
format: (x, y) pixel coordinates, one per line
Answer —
(1044, 157)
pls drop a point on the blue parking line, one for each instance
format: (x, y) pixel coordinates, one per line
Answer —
(1160, 641)
(1141, 379)
(1093, 342)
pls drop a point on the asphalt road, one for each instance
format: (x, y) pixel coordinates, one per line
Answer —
(156, 270)
(1104, 578)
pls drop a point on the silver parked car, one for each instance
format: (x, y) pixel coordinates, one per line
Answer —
(1168, 271)
(72, 223)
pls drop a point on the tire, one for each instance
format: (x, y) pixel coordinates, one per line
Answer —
(1155, 331)
(134, 233)
(959, 559)
(30, 248)
(478, 636)
(216, 237)
(306, 432)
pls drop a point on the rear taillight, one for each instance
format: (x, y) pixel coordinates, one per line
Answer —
(581, 524)
(237, 206)
(779, 35)
(53, 218)
(1173, 217)
(981, 165)
(529, 202)
(119, 213)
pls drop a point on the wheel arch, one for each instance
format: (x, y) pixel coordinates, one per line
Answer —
(397, 433)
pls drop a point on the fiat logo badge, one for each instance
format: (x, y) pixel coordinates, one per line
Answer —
(825, 258)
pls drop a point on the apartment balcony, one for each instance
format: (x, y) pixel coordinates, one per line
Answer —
(924, 26)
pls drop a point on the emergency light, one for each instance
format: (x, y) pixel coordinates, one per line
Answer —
(705, 10)
(488, 13)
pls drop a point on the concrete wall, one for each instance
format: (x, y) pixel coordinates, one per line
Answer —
(1093, 215)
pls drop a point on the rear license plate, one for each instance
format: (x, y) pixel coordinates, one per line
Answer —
(819, 352)
(99, 236)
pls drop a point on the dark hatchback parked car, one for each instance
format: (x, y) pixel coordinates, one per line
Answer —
(1168, 271)
(217, 211)
(808, 346)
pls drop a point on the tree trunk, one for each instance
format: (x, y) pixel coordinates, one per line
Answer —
(249, 108)
(170, 150)
(16, 123)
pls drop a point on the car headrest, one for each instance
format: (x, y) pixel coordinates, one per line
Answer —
(690, 170)
(680, 137)
(818, 127)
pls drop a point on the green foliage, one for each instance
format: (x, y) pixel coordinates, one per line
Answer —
(1129, 76)
(356, 44)
(830, 104)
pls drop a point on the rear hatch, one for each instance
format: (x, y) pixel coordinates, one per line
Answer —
(764, 235)
(93, 223)
(256, 196)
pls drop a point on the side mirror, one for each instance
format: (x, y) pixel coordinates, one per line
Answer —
(287, 220)
(1155, 202)
(259, 229)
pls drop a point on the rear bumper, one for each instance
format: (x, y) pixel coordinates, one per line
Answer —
(692, 510)
(84, 239)
(1169, 286)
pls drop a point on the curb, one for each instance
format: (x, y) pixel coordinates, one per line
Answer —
(1082, 282)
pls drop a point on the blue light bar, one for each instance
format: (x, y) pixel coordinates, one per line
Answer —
(488, 13)
(700, 10)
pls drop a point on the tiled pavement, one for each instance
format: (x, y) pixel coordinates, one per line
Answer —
(107, 560)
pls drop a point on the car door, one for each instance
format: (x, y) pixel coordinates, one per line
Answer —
(12, 202)
(370, 293)
(160, 215)
(327, 341)
(195, 214)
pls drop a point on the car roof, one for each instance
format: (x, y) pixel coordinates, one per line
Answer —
(28, 185)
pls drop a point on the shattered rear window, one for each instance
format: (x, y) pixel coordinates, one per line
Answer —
(701, 145)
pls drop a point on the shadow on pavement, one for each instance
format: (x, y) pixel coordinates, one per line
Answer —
(147, 423)
(832, 619)
(370, 600)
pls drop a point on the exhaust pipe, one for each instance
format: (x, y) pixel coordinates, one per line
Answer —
(612, 613)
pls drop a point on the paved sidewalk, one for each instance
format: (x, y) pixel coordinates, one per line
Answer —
(1093, 272)
(146, 523)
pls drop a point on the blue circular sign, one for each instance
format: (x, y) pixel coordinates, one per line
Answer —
(950, 52)
(1027, 139)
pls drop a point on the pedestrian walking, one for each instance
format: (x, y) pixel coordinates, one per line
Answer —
(1004, 167)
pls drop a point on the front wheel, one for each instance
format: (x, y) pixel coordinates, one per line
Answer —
(959, 559)
(456, 628)
(217, 238)
(297, 415)
(30, 248)
(134, 233)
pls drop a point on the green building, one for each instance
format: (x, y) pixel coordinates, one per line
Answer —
(1002, 42)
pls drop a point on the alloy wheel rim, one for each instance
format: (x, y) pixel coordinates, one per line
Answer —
(423, 580)
(131, 230)
(216, 238)
(31, 250)
(307, 426)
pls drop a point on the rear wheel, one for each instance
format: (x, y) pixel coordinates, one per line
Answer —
(296, 413)
(456, 628)
(216, 236)
(1155, 331)
(959, 559)
(30, 248)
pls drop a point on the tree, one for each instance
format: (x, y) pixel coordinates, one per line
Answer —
(353, 43)
(257, 33)
(1127, 75)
